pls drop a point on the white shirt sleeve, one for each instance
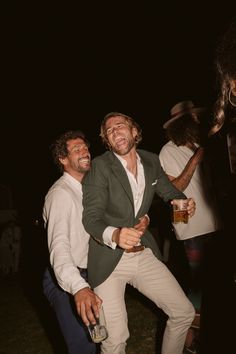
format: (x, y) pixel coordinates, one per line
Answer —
(168, 161)
(107, 237)
(57, 215)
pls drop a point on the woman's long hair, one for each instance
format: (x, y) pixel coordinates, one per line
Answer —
(226, 72)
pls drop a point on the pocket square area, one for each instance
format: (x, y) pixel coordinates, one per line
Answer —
(155, 182)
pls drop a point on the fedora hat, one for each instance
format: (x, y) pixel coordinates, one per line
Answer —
(180, 109)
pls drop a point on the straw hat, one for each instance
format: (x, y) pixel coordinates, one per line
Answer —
(181, 109)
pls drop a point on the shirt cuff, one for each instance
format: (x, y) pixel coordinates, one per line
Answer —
(78, 284)
(107, 237)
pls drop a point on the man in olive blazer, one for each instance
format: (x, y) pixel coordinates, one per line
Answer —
(117, 194)
(108, 200)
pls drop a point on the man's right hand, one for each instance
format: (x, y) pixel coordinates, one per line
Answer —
(87, 305)
(126, 237)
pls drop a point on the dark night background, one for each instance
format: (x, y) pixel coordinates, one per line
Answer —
(66, 66)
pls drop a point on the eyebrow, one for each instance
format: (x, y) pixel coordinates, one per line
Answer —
(78, 145)
(117, 123)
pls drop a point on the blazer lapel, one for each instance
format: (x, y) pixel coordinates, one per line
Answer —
(121, 176)
(148, 182)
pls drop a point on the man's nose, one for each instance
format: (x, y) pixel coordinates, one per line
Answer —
(114, 130)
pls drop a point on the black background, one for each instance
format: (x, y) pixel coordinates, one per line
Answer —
(65, 66)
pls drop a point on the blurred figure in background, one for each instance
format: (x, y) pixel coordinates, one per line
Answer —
(10, 247)
(182, 160)
(217, 335)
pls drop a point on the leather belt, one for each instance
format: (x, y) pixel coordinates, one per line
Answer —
(135, 249)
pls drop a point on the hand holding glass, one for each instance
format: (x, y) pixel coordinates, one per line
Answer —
(180, 212)
(98, 332)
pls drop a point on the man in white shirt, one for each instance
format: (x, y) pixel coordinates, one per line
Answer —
(65, 282)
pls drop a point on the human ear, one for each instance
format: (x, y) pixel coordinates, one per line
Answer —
(134, 132)
(62, 160)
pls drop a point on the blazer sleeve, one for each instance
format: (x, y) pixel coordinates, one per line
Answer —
(94, 186)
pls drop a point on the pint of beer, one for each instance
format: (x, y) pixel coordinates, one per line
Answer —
(180, 212)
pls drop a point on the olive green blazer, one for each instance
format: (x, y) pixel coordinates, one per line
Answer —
(108, 201)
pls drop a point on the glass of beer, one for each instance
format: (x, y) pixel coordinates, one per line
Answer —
(180, 212)
(98, 332)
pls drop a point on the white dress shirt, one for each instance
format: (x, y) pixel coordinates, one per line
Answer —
(137, 187)
(67, 238)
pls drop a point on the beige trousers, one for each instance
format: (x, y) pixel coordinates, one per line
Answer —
(152, 278)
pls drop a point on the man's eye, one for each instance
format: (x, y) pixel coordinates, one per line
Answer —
(118, 126)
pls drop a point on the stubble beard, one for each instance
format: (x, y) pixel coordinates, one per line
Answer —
(126, 150)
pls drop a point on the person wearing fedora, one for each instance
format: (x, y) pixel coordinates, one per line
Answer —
(182, 160)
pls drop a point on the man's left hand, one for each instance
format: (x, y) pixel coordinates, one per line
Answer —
(144, 221)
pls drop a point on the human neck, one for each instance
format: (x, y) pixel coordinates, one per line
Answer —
(77, 175)
(131, 160)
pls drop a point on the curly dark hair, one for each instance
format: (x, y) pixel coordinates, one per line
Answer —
(184, 130)
(131, 122)
(226, 71)
(59, 147)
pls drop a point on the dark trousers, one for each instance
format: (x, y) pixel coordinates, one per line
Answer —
(74, 331)
(197, 252)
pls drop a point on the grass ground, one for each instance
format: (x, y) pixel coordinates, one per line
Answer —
(27, 324)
